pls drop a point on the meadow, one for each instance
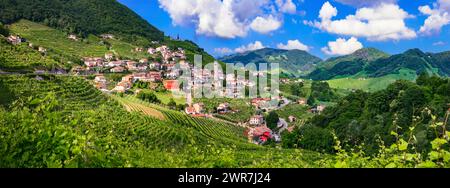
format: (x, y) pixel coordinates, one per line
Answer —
(371, 84)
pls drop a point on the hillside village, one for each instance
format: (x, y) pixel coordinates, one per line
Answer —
(166, 72)
(164, 68)
(93, 84)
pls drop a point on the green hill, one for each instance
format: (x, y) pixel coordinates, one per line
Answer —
(373, 63)
(62, 50)
(346, 65)
(295, 62)
(365, 55)
(413, 59)
(83, 17)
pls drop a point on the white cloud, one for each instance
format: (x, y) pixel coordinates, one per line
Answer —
(439, 43)
(342, 46)
(286, 6)
(327, 11)
(224, 18)
(365, 3)
(243, 12)
(250, 47)
(438, 17)
(265, 25)
(223, 50)
(380, 23)
(293, 45)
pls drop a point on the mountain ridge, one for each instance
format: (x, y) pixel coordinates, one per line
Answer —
(294, 62)
(379, 64)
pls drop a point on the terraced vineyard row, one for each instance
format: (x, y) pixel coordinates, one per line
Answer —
(69, 90)
(135, 107)
(77, 97)
(213, 129)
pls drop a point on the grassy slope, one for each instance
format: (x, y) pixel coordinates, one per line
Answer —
(166, 96)
(56, 40)
(371, 84)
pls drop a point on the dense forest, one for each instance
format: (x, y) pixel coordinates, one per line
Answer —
(404, 108)
(82, 17)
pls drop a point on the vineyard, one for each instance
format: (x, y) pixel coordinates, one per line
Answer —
(22, 58)
(60, 121)
(210, 128)
(57, 41)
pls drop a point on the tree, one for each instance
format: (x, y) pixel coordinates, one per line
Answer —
(321, 91)
(296, 89)
(181, 107)
(309, 137)
(3, 30)
(422, 78)
(272, 120)
(141, 85)
(172, 104)
(311, 101)
(148, 97)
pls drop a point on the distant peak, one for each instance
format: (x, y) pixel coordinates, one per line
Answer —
(415, 51)
(369, 50)
(369, 53)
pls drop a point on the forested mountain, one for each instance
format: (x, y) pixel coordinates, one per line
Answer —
(296, 62)
(365, 55)
(413, 59)
(82, 17)
(346, 65)
(374, 63)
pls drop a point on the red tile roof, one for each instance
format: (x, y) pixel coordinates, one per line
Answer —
(171, 84)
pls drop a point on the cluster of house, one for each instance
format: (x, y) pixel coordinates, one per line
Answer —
(167, 54)
(165, 71)
(116, 66)
(259, 133)
(167, 64)
(266, 104)
(103, 36)
(127, 81)
(16, 40)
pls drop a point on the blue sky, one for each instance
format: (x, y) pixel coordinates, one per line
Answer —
(229, 26)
